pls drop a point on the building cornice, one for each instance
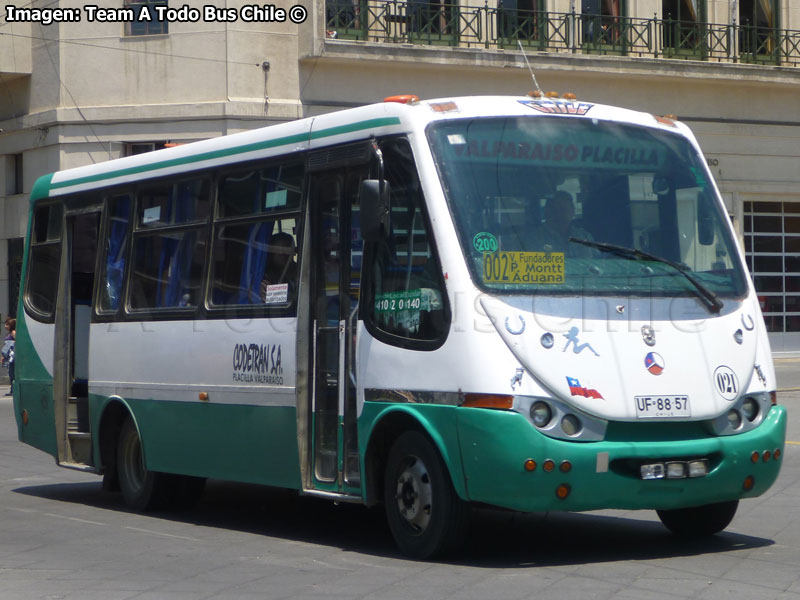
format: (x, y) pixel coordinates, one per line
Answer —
(420, 57)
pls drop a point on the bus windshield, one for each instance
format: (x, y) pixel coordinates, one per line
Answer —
(578, 206)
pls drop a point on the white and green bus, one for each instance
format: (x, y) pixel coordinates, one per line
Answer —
(529, 303)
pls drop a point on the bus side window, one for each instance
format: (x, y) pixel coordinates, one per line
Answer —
(169, 245)
(45, 261)
(254, 260)
(407, 288)
(116, 243)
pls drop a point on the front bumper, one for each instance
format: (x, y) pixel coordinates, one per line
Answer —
(495, 445)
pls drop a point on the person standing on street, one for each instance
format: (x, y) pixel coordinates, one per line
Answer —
(7, 353)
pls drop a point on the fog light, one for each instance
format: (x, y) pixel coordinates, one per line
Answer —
(676, 470)
(698, 468)
(571, 425)
(541, 414)
(654, 471)
(750, 409)
(734, 419)
(748, 484)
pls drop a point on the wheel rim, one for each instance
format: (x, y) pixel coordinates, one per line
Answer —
(132, 466)
(414, 495)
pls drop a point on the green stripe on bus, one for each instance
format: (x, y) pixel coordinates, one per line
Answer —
(293, 139)
(41, 189)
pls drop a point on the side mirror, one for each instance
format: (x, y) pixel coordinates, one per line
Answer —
(375, 209)
(705, 220)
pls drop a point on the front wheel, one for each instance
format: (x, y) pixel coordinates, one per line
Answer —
(699, 521)
(425, 514)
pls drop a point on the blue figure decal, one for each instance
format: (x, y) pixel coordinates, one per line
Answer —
(577, 347)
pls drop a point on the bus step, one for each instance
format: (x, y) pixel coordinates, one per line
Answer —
(77, 414)
(80, 445)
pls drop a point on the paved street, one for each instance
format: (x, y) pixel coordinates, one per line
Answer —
(62, 537)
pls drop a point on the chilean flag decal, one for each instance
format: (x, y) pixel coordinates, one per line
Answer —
(654, 363)
(576, 389)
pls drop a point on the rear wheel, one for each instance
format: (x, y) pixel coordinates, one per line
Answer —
(425, 514)
(143, 489)
(699, 521)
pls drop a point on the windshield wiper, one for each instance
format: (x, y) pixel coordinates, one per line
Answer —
(709, 297)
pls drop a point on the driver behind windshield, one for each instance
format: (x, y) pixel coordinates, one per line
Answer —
(558, 226)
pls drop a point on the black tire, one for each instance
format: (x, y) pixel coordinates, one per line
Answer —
(425, 515)
(142, 489)
(699, 521)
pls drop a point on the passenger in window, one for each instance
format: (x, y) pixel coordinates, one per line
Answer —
(558, 226)
(281, 265)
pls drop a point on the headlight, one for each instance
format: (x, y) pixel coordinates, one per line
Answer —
(742, 416)
(750, 409)
(571, 425)
(541, 414)
(734, 419)
(559, 420)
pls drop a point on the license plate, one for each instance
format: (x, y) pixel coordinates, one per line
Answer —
(662, 407)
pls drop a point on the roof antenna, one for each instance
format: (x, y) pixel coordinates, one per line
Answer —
(536, 83)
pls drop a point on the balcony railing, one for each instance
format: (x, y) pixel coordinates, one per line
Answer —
(431, 23)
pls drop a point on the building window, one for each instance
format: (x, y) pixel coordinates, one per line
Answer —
(346, 19)
(601, 24)
(432, 21)
(758, 34)
(683, 23)
(15, 249)
(772, 248)
(522, 20)
(17, 187)
(134, 148)
(146, 19)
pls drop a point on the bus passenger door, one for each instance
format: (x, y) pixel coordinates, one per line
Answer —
(73, 316)
(335, 282)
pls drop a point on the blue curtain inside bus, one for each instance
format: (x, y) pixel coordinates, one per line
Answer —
(115, 255)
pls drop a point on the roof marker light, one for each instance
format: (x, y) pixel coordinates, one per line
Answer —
(570, 96)
(403, 99)
(552, 94)
(443, 106)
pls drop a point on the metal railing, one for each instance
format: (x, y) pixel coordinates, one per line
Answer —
(438, 24)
